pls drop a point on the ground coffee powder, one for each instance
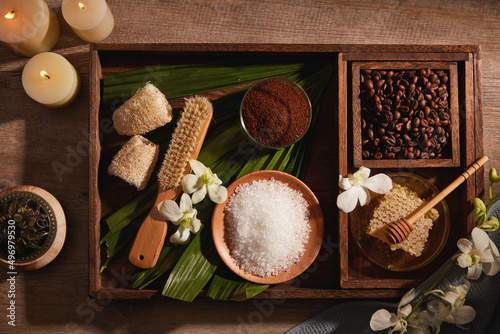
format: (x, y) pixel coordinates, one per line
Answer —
(275, 112)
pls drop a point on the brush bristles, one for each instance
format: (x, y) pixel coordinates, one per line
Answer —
(183, 141)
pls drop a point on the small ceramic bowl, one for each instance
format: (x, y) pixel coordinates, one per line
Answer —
(280, 106)
(312, 247)
(379, 252)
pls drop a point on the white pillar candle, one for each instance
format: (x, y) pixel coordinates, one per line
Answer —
(28, 26)
(91, 20)
(51, 80)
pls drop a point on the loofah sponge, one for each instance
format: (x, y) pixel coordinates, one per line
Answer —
(135, 161)
(183, 141)
(397, 203)
(147, 110)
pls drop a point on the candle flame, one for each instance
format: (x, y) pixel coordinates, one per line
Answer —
(44, 74)
(82, 6)
(10, 15)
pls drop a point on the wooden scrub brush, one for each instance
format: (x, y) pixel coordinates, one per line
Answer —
(185, 145)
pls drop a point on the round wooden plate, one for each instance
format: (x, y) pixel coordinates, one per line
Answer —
(315, 235)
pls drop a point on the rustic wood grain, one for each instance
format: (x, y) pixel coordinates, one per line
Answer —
(54, 298)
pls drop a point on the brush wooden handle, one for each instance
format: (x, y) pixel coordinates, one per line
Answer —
(446, 191)
(151, 235)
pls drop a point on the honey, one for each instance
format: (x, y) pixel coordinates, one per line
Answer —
(397, 203)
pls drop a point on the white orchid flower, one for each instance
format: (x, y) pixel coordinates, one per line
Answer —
(419, 322)
(450, 307)
(203, 181)
(383, 319)
(182, 215)
(479, 255)
(356, 188)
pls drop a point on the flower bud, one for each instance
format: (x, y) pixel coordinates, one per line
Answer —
(493, 176)
(479, 210)
(490, 225)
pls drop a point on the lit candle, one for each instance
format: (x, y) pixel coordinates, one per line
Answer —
(51, 80)
(28, 26)
(91, 20)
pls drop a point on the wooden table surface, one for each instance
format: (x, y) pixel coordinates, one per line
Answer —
(55, 298)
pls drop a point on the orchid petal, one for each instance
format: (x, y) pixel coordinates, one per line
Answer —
(487, 256)
(344, 183)
(481, 239)
(462, 261)
(379, 183)
(364, 171)
(185, 205)
(407, 298)
(494, 249)
(491, 268)
(181, 236)
(364, 197)
(348, 200)
(195, 225)
(463, 314)
(191, 183)
(464, 245)
(216, 179)
(199, 195)
(474, 272)
(405, 310)
(217, 193)
(170, 210)
(381, 319)
(451, 297)
(197, 167)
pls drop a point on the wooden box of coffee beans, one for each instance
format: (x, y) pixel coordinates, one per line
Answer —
(405, 114)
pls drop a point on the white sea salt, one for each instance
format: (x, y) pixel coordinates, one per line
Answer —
(267, 226)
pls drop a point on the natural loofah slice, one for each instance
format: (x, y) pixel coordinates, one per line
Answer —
(397, 203)
(135, 161)
(147, 110)
(183, 141)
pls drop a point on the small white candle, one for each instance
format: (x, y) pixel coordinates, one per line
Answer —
(51, 80)
(91, 20)
(28, 26)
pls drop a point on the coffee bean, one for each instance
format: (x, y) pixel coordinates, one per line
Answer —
(404, 109)
(390, 142)
(369, 84)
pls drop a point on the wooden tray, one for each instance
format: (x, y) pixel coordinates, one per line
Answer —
(340, 271)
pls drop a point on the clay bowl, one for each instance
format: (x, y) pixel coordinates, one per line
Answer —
(315, 235)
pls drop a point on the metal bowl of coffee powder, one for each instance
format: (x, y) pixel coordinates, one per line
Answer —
(275, 113)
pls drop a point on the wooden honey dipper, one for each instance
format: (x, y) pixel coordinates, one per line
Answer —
(399, 230)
